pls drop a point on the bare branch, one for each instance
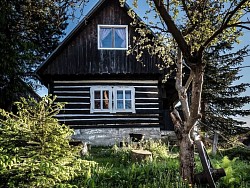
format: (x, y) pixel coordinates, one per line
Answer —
(190, 79)
(239, 25)
(178, 123)
(182, 92)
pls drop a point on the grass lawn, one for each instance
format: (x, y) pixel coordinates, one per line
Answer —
(115, 169)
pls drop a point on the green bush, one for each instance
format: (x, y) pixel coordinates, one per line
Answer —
(237, 172)
(34, 147)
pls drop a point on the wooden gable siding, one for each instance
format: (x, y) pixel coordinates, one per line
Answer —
(76, 114)
(80, 56)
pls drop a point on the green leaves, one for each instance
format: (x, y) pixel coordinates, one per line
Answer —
(29, 32)
(34, 147)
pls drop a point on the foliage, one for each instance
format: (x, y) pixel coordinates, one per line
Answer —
(29, 31)
(122, 154)
(158, 149)
(114, 171)
(237, 172)
(34, 147)
(140, 175)
(241, 152)
(221, 97)
(184, 31)
(111, 172)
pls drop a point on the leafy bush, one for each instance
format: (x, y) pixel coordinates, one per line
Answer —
(34, 147)
(237, 172)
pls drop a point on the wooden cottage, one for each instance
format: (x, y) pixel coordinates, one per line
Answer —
(109, 95)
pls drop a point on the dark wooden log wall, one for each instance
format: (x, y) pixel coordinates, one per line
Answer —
(80, 55)
(77, 114)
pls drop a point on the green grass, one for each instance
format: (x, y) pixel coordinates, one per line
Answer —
(115, 169)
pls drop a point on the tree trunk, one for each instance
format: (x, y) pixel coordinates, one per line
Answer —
(186, 153)
(187, 158)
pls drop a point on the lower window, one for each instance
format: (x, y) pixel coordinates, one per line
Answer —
(112, 99)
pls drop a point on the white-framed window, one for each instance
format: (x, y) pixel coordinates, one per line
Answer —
(101, 99)
(112, 99)
(124, 99)
(112, 37)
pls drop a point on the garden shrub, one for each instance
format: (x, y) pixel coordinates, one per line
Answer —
(237, 172)
(34, 147)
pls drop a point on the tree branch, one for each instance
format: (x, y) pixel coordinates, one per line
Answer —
(182, 91)
(224, 25)
(190, 79)
(172, 28)
(239, 25)
(231, 14)
(198, 76)
(186, 11)
(178, 123)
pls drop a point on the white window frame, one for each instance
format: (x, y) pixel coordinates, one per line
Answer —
(112, 26)
(92, 99)
(124, 88)
(112, 99)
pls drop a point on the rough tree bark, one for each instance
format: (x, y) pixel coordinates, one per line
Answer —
(183, 126)
(186, 154)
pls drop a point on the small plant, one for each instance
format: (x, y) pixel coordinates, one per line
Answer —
(122, 154)
(158, 149)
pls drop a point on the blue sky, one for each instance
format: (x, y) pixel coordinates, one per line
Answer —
(245, 40)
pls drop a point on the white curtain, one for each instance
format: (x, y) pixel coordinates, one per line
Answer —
(122, 34)
(104, 32)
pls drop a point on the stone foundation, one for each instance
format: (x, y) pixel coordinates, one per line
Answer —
(111, 136)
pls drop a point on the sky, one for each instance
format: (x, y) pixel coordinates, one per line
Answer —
(245, 40)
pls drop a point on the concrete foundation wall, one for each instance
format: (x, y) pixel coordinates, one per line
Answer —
(111, 136)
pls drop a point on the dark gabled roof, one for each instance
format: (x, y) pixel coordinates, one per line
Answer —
(74, 32)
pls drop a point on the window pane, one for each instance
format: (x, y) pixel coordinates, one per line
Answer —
(119, 104)
(97, 95)
(119, 94)
(105, 37)
(120, 38)
(105, 95)
(97, 104)
(105, 104)
(127, 94)
(128, 104)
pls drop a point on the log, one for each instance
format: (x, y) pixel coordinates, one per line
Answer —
(141, 155)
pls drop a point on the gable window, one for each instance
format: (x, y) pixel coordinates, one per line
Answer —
(113, 37)
(112, 99)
